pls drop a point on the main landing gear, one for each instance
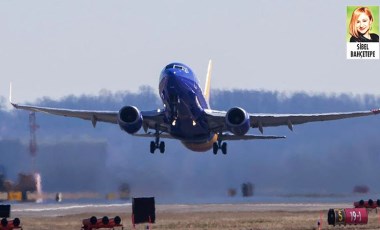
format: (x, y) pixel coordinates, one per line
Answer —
(216, 146)
(157, 144)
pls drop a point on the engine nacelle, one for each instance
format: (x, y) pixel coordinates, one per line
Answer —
(237, 121)
(129, 119)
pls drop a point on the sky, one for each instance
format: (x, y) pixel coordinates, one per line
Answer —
(58, 48)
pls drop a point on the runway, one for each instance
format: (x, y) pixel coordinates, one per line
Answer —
(69, 216)
(53, 210)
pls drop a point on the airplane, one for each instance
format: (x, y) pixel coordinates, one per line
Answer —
(186, 115)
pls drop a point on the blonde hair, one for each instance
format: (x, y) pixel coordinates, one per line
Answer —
(355, 15)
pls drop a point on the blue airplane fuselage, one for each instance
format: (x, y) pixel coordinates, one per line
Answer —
(184, 107)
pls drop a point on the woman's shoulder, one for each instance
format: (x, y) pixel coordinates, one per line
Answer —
(353, 39)
(374, 37)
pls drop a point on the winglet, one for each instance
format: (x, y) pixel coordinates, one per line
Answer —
(10, 95)
(208, 81)
(10, 92)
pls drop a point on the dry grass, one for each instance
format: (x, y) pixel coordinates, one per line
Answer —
(199, 220)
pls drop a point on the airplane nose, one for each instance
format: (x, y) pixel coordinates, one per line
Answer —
(171, 76)
(172, 82)
(170, 73)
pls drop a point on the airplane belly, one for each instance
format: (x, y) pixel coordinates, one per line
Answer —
(187, 129)
(201, 146)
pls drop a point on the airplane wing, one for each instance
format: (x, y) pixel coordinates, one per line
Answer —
(266, 120)
(92, 115)
(151, 119)
(216, 119)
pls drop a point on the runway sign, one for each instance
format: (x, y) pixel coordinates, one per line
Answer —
(143, 210)
(347, 216)
(5, 211)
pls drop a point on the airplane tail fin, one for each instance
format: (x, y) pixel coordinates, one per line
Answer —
(208, 81)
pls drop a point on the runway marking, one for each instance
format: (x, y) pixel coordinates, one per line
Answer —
(70, 207)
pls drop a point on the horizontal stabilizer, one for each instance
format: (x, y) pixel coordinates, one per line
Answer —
(230, 137)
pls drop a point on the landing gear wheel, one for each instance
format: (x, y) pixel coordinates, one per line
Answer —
(152, 147)
(162, 147)
(219, 145)
(215, 148)
(224, 148)
(157, 144)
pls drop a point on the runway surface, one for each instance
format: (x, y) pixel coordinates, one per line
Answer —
(244, 216)
(59, 209)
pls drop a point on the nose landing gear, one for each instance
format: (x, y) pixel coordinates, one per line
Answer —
(174, 102)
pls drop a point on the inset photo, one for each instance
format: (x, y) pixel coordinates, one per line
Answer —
(362, 34)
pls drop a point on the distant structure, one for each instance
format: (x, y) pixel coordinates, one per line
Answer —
(33, 140)
(247, 189)
(124, 191)
(231, 192)
(363, 189)
(27, 182)
(35, 178)
(2, 178)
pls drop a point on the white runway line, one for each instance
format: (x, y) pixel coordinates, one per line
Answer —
(67, 209)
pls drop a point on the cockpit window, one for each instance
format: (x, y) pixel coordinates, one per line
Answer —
(180, 67)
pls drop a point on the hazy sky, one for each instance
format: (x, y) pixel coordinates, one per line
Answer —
(56, 48)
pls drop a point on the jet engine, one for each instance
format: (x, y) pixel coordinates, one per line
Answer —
(237, 121)
(129, 119)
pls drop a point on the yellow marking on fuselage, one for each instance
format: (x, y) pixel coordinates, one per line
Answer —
(201, 147)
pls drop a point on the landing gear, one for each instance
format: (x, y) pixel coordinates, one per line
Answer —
(224, 148)
(162, 147)
(215, 148)
(157, 144)
(152, 147)
(174, 102)
(219, 145)
(174, 114)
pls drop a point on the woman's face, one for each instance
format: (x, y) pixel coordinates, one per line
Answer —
(363, 23)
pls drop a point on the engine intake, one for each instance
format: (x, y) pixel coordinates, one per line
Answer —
(237, 121)
(130, 119)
